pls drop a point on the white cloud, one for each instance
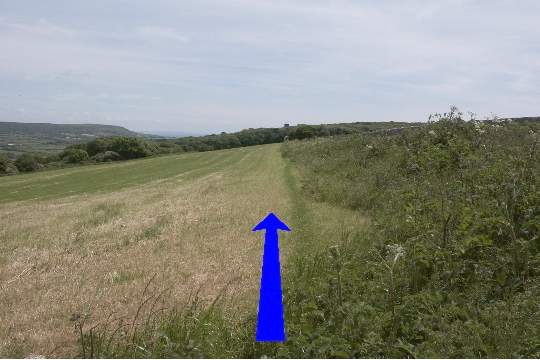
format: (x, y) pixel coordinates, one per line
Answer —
(225, 65)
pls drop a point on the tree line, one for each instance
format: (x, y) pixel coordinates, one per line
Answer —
(131, 147)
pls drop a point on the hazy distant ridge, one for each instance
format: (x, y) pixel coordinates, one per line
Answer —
(16, 138)
(63, 129)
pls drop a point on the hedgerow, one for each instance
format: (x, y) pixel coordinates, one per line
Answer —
(453, 265)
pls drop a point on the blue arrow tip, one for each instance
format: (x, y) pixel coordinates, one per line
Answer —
(271, 222)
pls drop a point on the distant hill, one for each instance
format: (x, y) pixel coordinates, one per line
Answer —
(64, 130)
(170, 134)
(18, 137)
(531, 119)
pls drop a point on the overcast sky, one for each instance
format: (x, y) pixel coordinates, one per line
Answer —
(223, 65)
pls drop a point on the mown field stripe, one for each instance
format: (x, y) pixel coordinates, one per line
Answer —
(111, 177)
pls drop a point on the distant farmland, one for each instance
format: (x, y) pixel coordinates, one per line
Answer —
(16, 138)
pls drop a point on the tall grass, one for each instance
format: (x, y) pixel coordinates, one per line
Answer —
(452, 269)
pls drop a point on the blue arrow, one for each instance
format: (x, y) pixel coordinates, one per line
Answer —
(270, 323)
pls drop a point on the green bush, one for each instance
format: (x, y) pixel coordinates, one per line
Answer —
(110, 149)
(97, 146)
(303, 132)
(28, 162)
(7, 167)
(106, 156)
(131, 148)
(74, 156)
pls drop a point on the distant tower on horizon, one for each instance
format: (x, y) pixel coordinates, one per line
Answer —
(285, 125)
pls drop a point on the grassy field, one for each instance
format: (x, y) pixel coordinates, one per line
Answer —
(111, 177)
(86, 241)
(422, 243)
(95, 242)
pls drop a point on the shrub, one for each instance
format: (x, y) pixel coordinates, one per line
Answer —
(106, 156)
(303, 132)
(53, 158)
(6, 166)
(74, 156)
(131, 148)
(97, 146)
(27, 162)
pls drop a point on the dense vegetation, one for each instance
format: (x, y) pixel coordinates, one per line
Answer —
(113, 148)
(449, 265)
(261, 136)
(7, 167)
(453, 269)
(98, 150)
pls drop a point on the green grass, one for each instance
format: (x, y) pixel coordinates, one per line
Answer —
(185, 218)
(448, 266)
(199, 330)
(423, 244)
(115, 176)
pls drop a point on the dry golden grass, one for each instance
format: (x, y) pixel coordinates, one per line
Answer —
(94, 254)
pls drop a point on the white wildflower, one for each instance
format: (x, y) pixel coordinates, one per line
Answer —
(395, 252)
(478, 127)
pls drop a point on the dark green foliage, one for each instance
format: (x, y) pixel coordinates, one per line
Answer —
(250, 137)
(116, 148)
(130, 147)
(303, 132)
(74, 156)
(97, 146)
(53, 158)
(28, 162)
(453, 269)
(7, 167)
(106, 156)
(98, 150)
(227, 141)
